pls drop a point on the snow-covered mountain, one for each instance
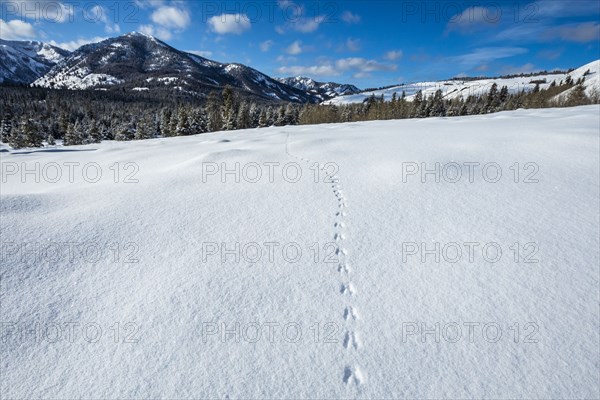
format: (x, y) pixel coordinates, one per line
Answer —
(25, 61)
(466, 87)
(139, 62)
(322, 90)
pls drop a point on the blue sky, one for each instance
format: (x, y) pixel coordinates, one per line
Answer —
(367, 43)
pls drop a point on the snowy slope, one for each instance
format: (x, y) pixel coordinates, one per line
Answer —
(25, 61)
(457, 88)
(351, 313)
(322, 90)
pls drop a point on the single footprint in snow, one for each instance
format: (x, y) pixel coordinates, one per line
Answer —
(339, 225)
(352, 340)
(350, 313)
(339, 236)
(341, 252)
(353, 375)
(344, 268)
(348, 289)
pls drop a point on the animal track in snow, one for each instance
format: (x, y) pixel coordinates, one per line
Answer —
(348, 289)
(350, 313)
(353, 375)
(344, 268)
(352, 340)
(341, 252)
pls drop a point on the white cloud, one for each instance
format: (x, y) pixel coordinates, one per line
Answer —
(290, 9)
(363, 65)
(393, 55)
(352, 45)
(149, 3)
(307, 25)
(159, 32)
(266, 45)
(201, 53)
(484, 55)
(317, 70)
(100, 14)
(16, 30)
(171, 17)
(75, 44)
(581, 33)
(230, 24)
(294, 48)
(475, 17)
(285, 59)
(350, 18)
(360, 67)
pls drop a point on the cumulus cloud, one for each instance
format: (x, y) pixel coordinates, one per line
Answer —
(307, 25)
(75, 44)
(266, 45)
(16, 30)
(294, 48)
(171, 17)
(363, 65)
(230, 24)
(360, 67)
(100, 14)
(159, 32)
(393, 55)
(350, 18)
(352, 45)
(316, 70)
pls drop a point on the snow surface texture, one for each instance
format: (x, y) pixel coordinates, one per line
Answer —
(456, 88)
(172, 300)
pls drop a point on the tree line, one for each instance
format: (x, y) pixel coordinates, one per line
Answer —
(33, 117)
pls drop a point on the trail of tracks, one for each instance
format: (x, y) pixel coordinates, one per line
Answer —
(352, 373)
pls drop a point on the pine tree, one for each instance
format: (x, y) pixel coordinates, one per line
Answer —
(254, 114)
(183, 123)
(262, 119)
(31, 131)
(228, 109)
(198, 121)
(16, 138)
(5, 128)
(165, 122)
(213, 111)
(143, 129)
(243, 117)
(73, 135)
(95, 135)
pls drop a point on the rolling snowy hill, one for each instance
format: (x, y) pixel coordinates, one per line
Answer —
(137, 275)
(464, 88)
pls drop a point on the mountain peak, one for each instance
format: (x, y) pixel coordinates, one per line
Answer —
(140, 34)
